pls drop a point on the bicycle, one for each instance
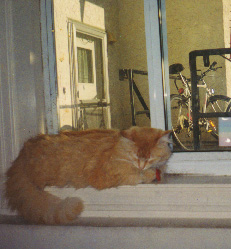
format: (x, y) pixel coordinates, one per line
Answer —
(181, 107)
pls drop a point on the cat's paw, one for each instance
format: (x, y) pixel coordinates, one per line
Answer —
(151, 175)
(68, 210)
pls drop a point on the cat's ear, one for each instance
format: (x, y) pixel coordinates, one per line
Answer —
(129, 134)
(166, 137)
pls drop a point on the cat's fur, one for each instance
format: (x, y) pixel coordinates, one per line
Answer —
(98, 158)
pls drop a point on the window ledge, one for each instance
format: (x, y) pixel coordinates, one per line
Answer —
(181, 201)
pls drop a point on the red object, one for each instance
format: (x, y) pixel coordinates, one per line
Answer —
(158, 175)
(180, 91)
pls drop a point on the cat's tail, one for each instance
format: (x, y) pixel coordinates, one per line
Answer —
(36, 205)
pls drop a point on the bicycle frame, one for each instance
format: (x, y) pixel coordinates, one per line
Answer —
(195, 106)
(186, 92)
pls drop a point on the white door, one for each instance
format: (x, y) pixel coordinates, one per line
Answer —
(89, 77)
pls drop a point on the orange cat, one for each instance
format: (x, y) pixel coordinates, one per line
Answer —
(98, 158)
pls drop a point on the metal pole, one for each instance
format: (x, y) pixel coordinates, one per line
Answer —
(131, 88)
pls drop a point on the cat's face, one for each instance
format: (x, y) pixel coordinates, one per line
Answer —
(151, 147)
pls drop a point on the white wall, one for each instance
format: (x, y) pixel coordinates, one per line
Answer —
(87, 13)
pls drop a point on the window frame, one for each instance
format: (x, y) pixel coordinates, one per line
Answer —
(90, 85)
(49, 66)
(205, 163)
(166, 201)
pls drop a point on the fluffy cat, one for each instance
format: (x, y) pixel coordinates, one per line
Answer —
(98, 158)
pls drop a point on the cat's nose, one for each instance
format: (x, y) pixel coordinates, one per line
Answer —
(142, 163)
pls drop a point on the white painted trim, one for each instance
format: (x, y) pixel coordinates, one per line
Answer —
(200, 163)
(49, 66)
(154, 64)
(88, 30)
(165, 65)
(106, 76)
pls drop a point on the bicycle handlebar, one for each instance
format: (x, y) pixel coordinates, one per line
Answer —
(211, 68)
(213, 64)
(199, 77)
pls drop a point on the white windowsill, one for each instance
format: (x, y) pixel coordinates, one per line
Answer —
(200, 163)
(180, 201)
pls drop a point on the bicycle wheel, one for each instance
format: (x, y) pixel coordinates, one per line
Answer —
(217, 103)
(181, 125)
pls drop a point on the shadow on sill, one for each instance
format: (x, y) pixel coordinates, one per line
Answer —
(195, 179)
